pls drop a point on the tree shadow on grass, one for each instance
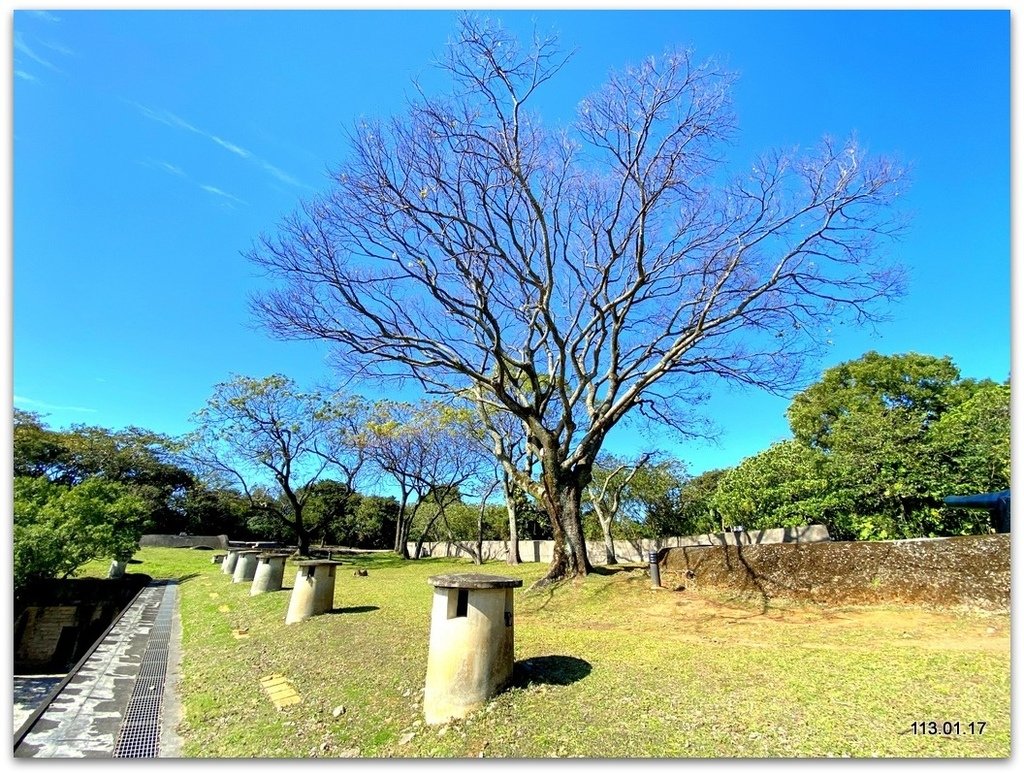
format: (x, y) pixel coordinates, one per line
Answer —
(611, 570)
(355, 609)
(554, 669)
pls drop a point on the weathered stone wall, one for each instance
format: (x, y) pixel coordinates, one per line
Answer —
(183, 542)
(625, 551)
(55, 622)
(971, 571)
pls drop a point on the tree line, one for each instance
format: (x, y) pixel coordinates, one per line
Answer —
(877, 444)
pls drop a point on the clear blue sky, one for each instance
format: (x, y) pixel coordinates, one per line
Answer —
(150, 148)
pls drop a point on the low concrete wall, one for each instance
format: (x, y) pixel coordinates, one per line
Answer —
(625, 551)
(183, 542)
(972, 571)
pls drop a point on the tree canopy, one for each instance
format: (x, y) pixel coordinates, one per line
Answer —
(878, 443)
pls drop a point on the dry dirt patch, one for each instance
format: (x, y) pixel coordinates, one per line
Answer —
(715, 616)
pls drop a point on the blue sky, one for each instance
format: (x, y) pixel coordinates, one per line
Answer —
(151, 148)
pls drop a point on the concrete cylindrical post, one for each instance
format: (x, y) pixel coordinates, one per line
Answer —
(116, 569)
(269, 573)
(471, 643)
(228, 566)
(655, 570)
(313, 591)
(245, 566)
(218, 559)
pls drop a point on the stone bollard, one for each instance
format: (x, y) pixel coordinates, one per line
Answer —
(269, 573)
(228, 566)
(471, 643)
(245, 567)
(116, 569)
(218, 559)
(313, 592)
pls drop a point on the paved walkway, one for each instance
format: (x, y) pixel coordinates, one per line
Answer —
(121, 702)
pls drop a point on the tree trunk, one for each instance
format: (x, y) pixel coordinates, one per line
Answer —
(514, 558)
(479, 559)
(562, 500)
(609, 544)
(423, 534)
(302, 536)
(402, 525)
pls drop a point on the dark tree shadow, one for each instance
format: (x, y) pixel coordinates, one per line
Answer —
(611, 570)
(355, 609)
(554, 669)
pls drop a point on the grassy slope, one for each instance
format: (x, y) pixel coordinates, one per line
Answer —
(616, 670)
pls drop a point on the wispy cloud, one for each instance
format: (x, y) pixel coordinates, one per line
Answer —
(281, 175)
(25, 76)
(170, 119)
(44, 15)
(230, 147)
(23, 47)
(58, 47)
(173, 169)
(54, 407)
(218, 192)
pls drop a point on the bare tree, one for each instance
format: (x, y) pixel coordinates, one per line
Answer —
(611, 477)
(584, 275)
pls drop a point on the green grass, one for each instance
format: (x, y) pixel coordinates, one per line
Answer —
(619, 670)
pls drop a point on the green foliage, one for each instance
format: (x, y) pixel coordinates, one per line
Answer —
(275, 441)
(907, 386)
(58, 528)
(373, 523)
(144, 461)
(780, 487)
(694, 512)
(878, 442)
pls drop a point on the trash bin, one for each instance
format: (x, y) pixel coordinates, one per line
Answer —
(471, 643)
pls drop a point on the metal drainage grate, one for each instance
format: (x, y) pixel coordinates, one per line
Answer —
(139, 735)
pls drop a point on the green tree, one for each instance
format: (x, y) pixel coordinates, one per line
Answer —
(38, 451)
(375, 521)
(274, 441)
(611, 478)
(695, 511)
(886, 426)
(787, 485)
(146, 462)
(331, 507)
(970, 443)
(58, 528)
(429, 452)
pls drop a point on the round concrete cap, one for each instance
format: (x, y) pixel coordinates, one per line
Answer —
(272, 555)
(473, 581)
(307, 563)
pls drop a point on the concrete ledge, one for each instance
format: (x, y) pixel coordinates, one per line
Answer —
(636, 550)
(165, 541)
(964, 571)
